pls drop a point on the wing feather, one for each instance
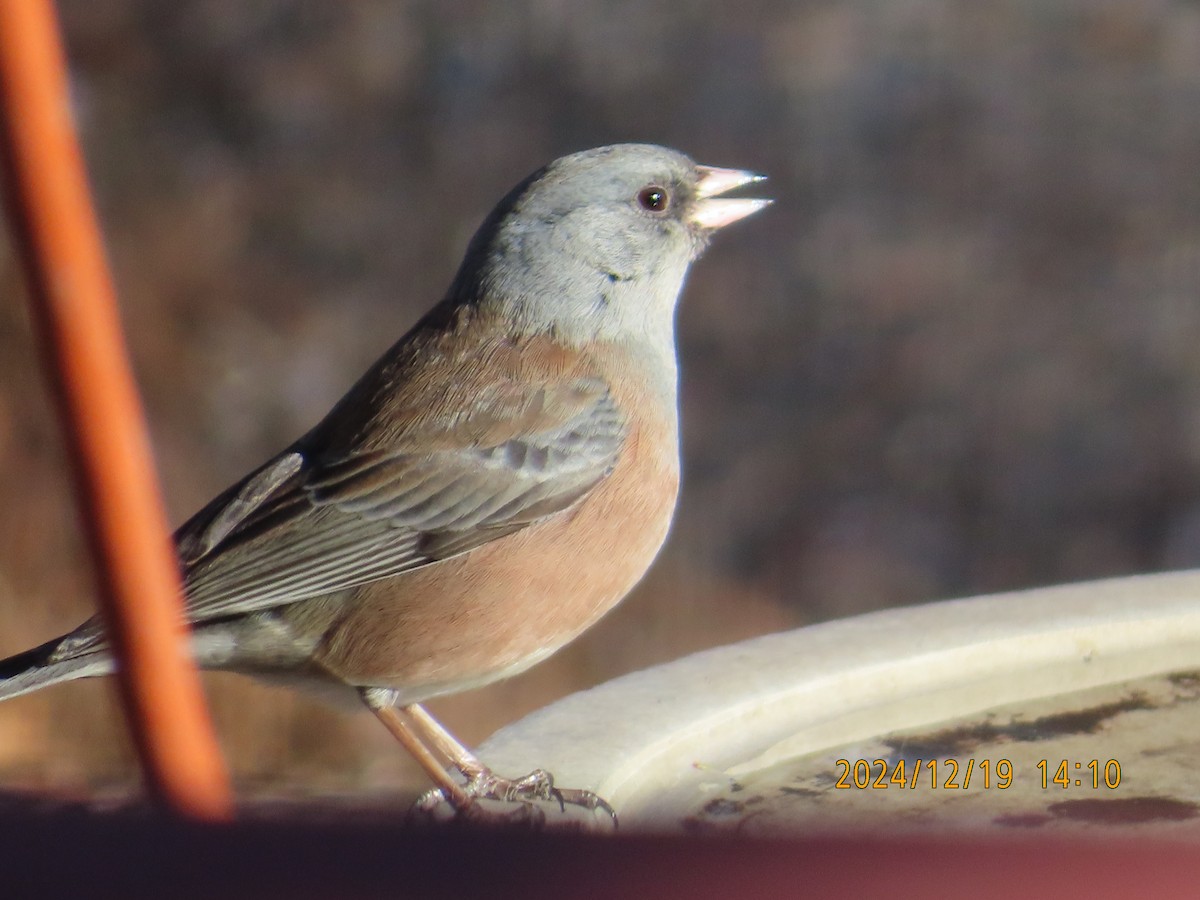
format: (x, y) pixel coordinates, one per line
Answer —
(359, 498)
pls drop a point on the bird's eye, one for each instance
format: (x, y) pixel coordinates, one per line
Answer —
(654, 198)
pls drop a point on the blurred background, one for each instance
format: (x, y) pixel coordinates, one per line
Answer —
(957, 356)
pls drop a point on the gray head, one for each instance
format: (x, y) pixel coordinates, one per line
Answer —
(597, 244)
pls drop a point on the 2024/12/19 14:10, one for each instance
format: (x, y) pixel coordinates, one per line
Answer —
(1091, 774)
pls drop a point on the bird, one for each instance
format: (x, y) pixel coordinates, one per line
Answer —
(489, 488)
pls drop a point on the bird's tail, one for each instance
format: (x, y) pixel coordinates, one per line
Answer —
(43, 666)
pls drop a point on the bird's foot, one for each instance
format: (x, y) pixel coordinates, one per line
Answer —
(433, 806)
(537, 786)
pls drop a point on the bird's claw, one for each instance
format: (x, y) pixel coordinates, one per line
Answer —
(524, 814)
(588, 800)
(526, 791)
(537, 785)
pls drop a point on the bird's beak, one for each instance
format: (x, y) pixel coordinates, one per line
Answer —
(712, 211)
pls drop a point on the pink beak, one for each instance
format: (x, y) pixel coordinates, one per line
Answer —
(712, 211)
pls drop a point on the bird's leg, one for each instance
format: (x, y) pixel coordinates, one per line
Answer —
(461, 799)
(379, 702)
(483, 783)
(423, 737)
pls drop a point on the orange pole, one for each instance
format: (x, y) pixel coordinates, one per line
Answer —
(76, 313)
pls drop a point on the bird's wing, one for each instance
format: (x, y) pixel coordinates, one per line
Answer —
(404, 472)
(334, 525)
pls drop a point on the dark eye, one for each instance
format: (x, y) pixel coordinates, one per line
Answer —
(653, 198)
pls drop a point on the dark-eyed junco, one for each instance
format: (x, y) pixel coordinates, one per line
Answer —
(492, 486)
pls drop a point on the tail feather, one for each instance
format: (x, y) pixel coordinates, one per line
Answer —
(37, 668)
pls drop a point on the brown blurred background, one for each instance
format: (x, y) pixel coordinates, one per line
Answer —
(958, 355)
